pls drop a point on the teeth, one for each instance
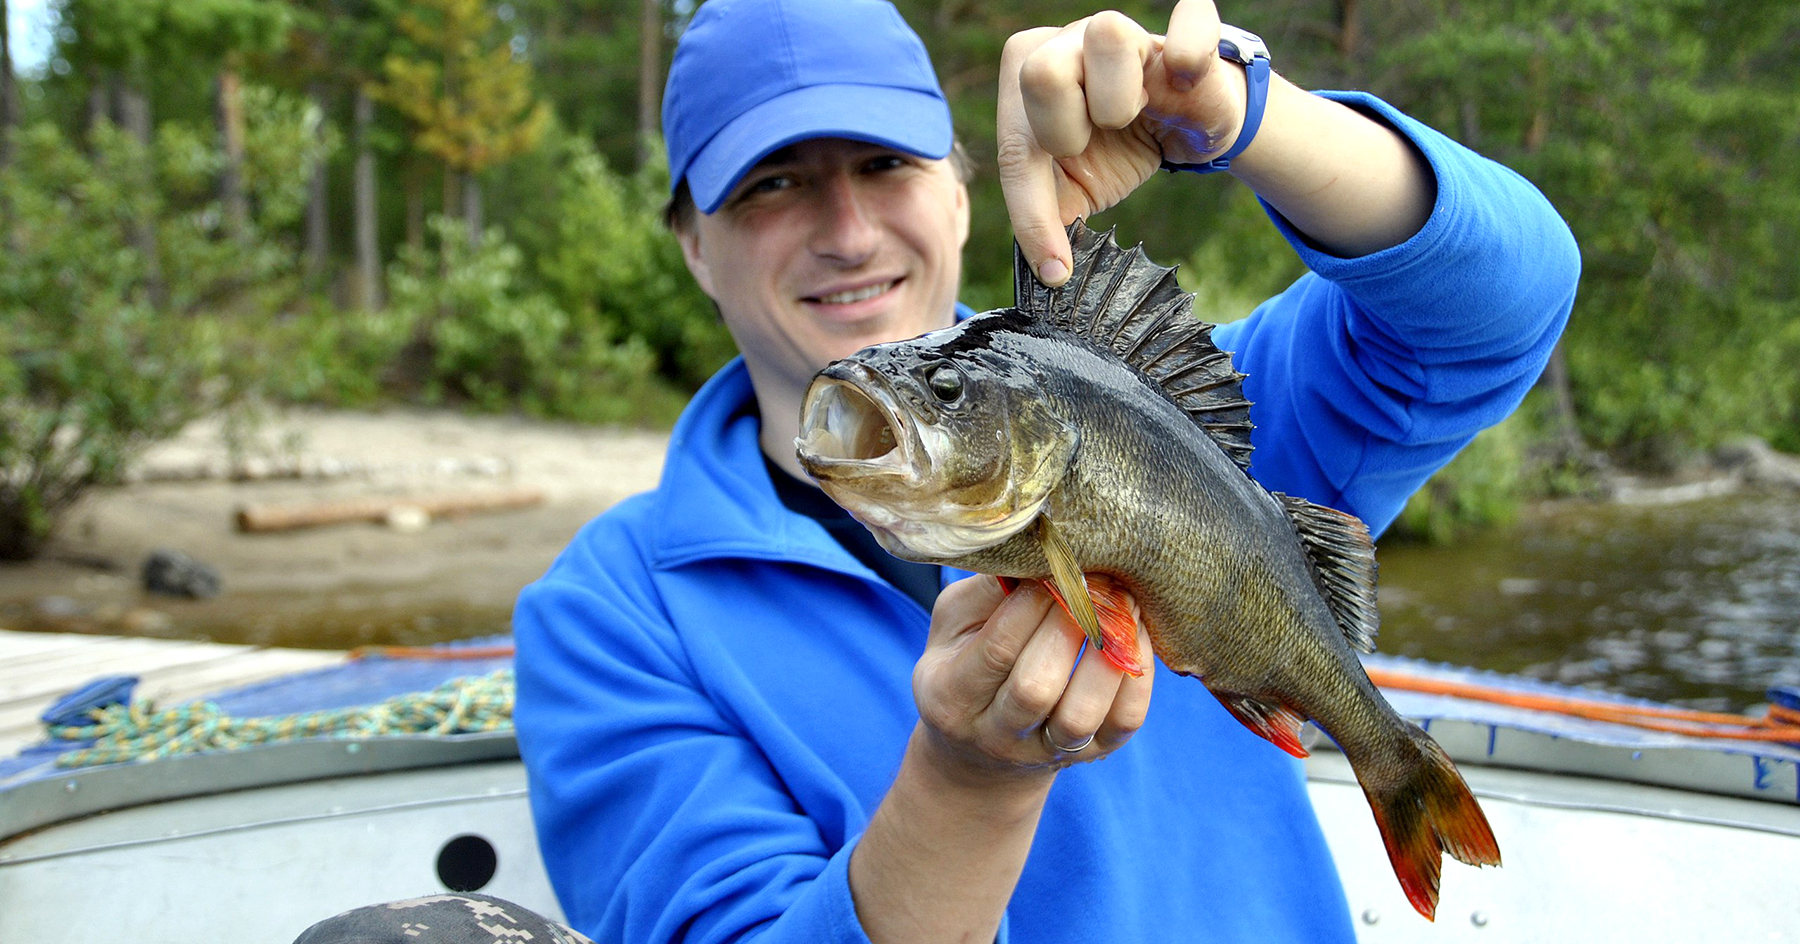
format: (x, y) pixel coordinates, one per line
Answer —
(845, 298)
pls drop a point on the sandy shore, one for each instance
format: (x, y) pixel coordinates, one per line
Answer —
(336, 585)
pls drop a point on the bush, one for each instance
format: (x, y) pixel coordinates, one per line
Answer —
(481, 336)
(603, 256)
(100, 354)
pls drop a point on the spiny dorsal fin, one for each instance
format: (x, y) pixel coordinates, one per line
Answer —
(1343, 565)
(1122, 301)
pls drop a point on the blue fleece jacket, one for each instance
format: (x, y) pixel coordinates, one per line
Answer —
(714, 695)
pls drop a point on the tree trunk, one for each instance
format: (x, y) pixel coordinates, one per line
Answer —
(415, 204)
(99, 100)
(134, 117)
(471, 206)
(9, 118)
(452, 193)
(318, 235)
(650, 27)
(1347, 34)
(368, 251)
(134, 111)
(1556, 377)
(228, 102)
(9, 100)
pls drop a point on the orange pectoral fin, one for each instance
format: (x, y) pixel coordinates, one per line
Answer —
(1118, 621)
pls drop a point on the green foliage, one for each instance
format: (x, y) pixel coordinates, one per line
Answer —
(489, 340)
(100, 352)
(1661, 131)
(326, 355)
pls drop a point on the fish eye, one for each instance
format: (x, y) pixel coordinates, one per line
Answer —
(946, 383)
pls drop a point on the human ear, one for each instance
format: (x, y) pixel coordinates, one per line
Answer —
(689, 238)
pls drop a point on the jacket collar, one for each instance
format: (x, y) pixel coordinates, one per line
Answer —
(715, 498)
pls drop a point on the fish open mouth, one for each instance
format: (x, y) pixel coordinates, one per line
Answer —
(845, 429)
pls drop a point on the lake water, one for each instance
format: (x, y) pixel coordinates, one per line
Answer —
(1696, 603)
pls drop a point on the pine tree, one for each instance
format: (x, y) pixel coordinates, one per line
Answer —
(467, 96)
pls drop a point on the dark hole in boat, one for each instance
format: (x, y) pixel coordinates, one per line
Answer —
(467, 863)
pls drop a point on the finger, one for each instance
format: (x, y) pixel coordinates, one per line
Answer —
(962, 608)
(1052, 85)
(1040, 676)
(1086, 703)
(1114, 51)
(1130, 706)
(1027, 173)
(1191, 48)
(992, 656)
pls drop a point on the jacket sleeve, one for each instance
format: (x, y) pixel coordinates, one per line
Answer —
(657, 819)
(1368, 374)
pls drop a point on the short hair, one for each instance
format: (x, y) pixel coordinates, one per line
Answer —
(678, 213)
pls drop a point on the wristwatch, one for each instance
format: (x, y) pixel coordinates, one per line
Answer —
(1248, 50)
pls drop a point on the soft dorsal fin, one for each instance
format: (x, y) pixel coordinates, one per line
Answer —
(1342, 556)
(1122, 301)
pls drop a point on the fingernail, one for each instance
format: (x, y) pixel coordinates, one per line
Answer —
(1053, 272)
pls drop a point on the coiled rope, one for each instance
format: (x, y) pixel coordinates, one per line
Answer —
(138, 732)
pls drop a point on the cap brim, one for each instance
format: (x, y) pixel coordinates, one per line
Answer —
(914, 122)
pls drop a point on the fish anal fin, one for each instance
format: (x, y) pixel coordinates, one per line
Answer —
(1342, 556)
(1120, 301)
(1117, 614)
(1272, 721)
(1428, 812)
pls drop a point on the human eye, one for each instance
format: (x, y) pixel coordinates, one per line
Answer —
(886, 162)
(763, 185)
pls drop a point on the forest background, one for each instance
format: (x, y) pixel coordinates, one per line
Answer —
(208, 205)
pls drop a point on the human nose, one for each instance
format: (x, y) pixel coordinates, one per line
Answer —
(846, 230)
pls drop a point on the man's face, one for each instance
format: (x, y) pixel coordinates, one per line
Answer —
(826, 247)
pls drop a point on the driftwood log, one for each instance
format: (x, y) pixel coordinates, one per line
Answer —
(264, 518)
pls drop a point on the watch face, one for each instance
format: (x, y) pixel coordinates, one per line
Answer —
(1240, 45)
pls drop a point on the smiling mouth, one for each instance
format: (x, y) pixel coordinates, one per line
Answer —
(853, 295)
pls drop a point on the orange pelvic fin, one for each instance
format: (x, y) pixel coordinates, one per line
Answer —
(1429, 812)
(1272, 721)
(1117, 613)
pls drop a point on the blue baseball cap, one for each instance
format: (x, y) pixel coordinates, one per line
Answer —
(753, 76)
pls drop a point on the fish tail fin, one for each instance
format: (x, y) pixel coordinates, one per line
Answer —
(1118, 621)
(1427, 812)
(1274, 722)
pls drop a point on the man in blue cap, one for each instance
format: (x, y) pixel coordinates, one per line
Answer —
(742, 720)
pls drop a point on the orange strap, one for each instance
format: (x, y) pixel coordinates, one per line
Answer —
(431, 652)
(1782, 724)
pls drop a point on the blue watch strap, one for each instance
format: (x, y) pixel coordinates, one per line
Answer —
(1256, 78)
